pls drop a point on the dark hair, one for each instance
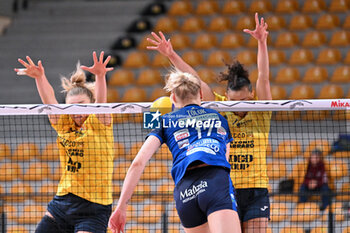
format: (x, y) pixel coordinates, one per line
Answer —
(236, 76)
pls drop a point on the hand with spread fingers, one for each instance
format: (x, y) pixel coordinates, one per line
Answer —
(117, 221)
(99, 68)
(260, 33)
(31, 70)
(161, 44)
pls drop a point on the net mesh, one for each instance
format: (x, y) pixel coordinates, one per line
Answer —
(30, 166)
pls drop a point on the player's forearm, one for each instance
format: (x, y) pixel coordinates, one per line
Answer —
(263, 61)
(181, 65)
(101, 89)
(45, 90)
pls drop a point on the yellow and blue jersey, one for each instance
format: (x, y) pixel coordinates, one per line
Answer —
(86, 155)
(248, 149)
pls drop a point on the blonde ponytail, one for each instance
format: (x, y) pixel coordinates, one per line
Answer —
(183, 85)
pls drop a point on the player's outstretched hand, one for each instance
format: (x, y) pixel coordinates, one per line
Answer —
(260, 33)
(30, 69)
(161, 44)
(117, 221)
(99, 68)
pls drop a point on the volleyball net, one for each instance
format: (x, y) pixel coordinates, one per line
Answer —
(30, 167)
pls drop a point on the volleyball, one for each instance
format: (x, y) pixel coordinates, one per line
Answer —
(162, 104)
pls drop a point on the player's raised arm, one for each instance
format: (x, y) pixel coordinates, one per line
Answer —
(162, 45)
(37, 72)
(118, 218)
(260, 33)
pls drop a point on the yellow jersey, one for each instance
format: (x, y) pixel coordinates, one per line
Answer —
(86, 155)
(248, 148)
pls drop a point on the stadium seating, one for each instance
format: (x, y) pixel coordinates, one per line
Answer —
(278, 93)
(139, 228)
(142, 192)
(165, 192)
(219, 24)
(346, 24)
(300, 22)
(31, 214)
(156, 93)
(151, 214)
(112, 95)
(171, 229)
(233, 7)
(56, 175)
(207, 7)
(301, 57)
(231, 41)
(46, 192)
(173, 216)
(288, 149)
(287, 6)
(337, 210)
(10, 171)
(19, 192)
(302, 92)
(247, 57)
(180, 8)
(50, 152)
(315, 75)
(193, 24)
(193, 58)
(341, 74)
(149, 77)
(17, 229)
(332, 91)
(327, 21)
(119, 149)
(328, 56)
(134, 94)
(205, 41)
(160, 61)
(276, 170)
(313, 6)
(287, 75)
(275, 22)
(218, 58)
(166, 25)
(245, 22)
(136, 59)
(292, 229)
(345, 188)
(37, 171)
(207, 75)
(319, 229)
(314, 39)
(121, 77)
(279, 212)
(5, 151)
(180, 41)
(261, 6)
(321, 144)
(340, 39)
(286, 40)
(305, 212)
(276, 57)
(339, 6)
(155, 170)
(25, 151)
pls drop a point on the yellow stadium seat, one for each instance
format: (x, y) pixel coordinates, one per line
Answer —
(151, 213)
(122, 77)
(50, 152)
(300, 22)
(166, 25)
(207, 7)
(20, 192)
(156, 93)
(287, 6)
(340, 38)
(163, 153)
(313, 6)
(160, 61)
(342, 116)
(134, 149)
(112, 96)
(287, 75)
(301, 57)
(193, 58)
(287, 115)
(247, 57)
(346, 230)
(136, 59)
(5, 151)
(327, 21)
(232, 41)
(345, 188)
(149, 77)
(292, 229)
(315, 115)
(347, 58)
(25, 151)
(144, 43)
(253, 76)
(278, 93)
(288, 149)
(245, 22)
(331, 91)
(11, 211)
(315, 75)
(253, 43)
(155, 170)
(165, 192)
(173, 216)
(205, 41)
(275, 23)
(286, 40)
(321, 144)
(119, 150)
(180, 41)
(134, 94)
(56, 175)
(219, 24)
(233, 7)
(142, 192)
(46, 192)
(17, 229)
(346, 24)
(218, 58)
(302, 92)
(10, 171)
(305, 212)
(276, 57)
(319, 229)
(338, 213)
(180, 8)
(31, 214)
(279, 212)
(341, 154)
(37, 171)
(314, 39)
(261, 6)
(276, 170)
(139, 228)
(339, 6)
(337, 168)
(207, 75)
(193, 24)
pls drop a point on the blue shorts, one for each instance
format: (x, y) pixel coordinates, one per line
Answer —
(73, 214)
(253, 203)
(201, 192)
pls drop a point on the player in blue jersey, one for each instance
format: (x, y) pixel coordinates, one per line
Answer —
(199, 141)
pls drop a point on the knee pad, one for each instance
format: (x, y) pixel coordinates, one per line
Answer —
(47, 224)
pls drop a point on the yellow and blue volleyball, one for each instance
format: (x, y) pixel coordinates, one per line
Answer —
(162, 104)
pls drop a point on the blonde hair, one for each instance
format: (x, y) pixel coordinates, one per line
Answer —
(77, 84)
(183, 85)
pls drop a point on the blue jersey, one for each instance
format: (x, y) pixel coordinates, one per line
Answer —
(194, 133)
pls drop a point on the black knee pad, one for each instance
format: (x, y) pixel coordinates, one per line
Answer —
(47, 224)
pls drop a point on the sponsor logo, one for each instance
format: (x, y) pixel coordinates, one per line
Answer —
(264, 208)
(183, 143)
(151, 120)
(222, 131)
(340, 104)
(190, 193)
(181, 134)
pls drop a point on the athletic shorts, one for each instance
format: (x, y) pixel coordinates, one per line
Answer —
(253, 203)
(73, 214)
(201, 192)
